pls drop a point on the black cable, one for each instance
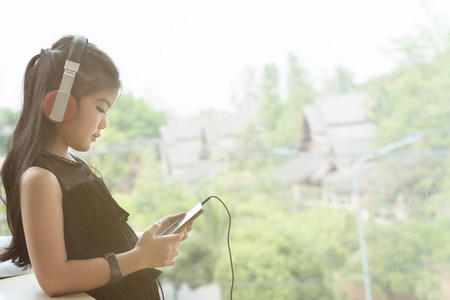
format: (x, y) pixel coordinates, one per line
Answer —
(228, 241)
(161, 289)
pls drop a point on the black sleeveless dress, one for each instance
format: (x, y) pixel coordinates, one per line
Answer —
(94, 224)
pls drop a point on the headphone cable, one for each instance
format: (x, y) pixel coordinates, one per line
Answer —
(160, 288)
(228, 241)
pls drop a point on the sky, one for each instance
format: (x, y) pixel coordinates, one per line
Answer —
(184, 56)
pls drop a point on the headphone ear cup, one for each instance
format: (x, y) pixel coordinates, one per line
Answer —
(70, 111)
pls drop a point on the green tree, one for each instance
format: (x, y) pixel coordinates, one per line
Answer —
(288, 255)
(299, 88)
(8, 121)
(133, 117)
(399, 260)
(411, 99)
(282, 118)
(342, 83)
(414, 98)
(245, 97)
(270, 107)
(299, 92)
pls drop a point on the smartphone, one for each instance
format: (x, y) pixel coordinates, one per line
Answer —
(182, 222)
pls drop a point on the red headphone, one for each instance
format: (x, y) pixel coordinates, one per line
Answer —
(60, 106)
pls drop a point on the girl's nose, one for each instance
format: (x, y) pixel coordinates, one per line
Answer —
(103, 123)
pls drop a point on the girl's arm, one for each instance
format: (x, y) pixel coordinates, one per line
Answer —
(42, 215)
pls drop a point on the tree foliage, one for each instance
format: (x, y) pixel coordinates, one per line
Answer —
(282, 118)
(299, 92)
(132, 117)
(270, 101)
(412, 99)
(8, 121)
(342, 83)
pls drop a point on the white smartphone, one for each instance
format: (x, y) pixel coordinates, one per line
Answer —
(182, 222)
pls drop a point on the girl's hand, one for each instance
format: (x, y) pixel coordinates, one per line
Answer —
(167, 221)
(159, 251)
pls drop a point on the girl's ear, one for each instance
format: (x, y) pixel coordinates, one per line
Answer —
(59, 112)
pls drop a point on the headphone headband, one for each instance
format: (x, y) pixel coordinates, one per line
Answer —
(60, 105)
(77, 48)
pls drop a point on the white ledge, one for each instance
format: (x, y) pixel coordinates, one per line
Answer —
(26, 287)
(18, 284)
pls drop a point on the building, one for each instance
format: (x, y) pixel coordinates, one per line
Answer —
(335, 131)
(199, 148)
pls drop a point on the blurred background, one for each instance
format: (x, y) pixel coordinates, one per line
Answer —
(322, 125)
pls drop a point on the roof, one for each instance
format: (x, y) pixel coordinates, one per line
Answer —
(302, 170)
(335, 127)
(339, 125)
(379, 176)
(342, 109)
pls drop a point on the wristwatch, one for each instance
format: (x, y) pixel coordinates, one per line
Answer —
(114, 266)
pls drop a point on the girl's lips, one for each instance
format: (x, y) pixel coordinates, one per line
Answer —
(95, 137)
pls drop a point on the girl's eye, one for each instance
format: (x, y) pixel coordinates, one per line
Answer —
(101, 110)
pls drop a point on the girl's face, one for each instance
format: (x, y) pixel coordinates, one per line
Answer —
(88, 123)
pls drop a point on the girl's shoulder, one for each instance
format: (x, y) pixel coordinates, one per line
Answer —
(37, 177)
(40, 186)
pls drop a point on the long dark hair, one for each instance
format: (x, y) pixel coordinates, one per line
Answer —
(33, 131)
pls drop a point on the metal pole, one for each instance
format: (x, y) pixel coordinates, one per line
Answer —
(361, 234)
(356, 193)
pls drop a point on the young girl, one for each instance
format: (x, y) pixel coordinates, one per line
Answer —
(62, 217)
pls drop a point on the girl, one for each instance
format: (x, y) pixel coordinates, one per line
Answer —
(62, 217)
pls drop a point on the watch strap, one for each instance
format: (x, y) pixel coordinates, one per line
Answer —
(114, 266)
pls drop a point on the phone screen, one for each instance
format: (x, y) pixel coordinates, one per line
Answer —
(182, 222)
